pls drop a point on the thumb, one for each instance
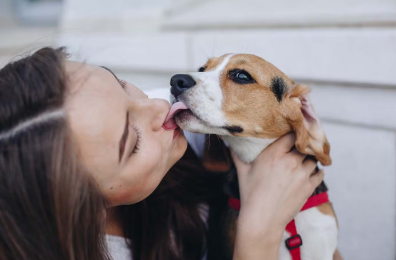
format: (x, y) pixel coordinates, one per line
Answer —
(242, 167)
(284, 144)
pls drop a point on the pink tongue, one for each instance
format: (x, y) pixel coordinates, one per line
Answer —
(170, 123)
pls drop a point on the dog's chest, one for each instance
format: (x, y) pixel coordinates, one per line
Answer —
(317, 230)
(319, 236)
(247, 148)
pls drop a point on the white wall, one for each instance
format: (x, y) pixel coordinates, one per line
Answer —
(346, 49)
(6, 19)
(20, 37)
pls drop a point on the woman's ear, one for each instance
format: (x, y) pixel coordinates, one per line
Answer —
(310, 136)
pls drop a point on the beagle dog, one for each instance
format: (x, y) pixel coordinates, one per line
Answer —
(250, 103)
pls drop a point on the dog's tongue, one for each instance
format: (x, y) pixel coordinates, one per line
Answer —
(170, 123)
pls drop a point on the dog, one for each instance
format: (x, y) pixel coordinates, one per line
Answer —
(249, 103)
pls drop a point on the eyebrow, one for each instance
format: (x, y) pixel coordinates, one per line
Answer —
(125, 134)
(109, 70)
(124, 138)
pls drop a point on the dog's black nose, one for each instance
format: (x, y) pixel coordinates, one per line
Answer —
(180, 83)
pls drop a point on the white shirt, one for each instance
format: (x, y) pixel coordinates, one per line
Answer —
(118, 248)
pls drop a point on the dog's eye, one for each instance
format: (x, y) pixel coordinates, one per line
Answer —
(201, 69)
(240, 76)
(243, 76)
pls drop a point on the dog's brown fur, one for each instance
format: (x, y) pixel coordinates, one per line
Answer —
(259, 104)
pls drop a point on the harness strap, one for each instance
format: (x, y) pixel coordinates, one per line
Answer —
(294, 242)
(234, 203)
(316, 200)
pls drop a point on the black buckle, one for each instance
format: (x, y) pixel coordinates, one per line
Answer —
(294, 242)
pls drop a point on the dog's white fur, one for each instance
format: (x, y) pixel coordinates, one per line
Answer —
(208, 95)
(318, 231)
(247, 148)
(319, 235)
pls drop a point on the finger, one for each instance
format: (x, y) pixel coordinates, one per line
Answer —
(283, 144)
(300, 156)
(309, 165)
(316, 179)
(242, 167)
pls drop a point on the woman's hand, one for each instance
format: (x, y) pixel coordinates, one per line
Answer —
(273, 189)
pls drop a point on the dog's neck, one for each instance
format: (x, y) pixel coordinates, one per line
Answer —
(247, 148)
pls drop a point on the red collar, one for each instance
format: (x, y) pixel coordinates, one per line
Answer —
(312, 201)
(294, 242)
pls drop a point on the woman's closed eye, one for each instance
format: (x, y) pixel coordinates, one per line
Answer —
(138, 138)
(123, 83)
(127, 87)
(129, 142)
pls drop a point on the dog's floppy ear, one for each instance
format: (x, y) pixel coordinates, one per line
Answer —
(301, 116)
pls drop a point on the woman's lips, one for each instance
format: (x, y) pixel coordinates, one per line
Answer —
(170, 123)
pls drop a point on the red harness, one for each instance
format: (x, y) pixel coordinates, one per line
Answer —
(294, 242)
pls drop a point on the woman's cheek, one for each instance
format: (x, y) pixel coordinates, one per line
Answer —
(136, 186)
(150, 158)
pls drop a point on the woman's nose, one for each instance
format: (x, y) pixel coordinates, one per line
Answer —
(158, 108)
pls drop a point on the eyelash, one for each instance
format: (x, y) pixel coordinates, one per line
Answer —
(123, 83)
(138, 138)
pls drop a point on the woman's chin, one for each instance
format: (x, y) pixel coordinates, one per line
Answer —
(178, 149)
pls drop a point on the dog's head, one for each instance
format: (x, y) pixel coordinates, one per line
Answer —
(244, 95)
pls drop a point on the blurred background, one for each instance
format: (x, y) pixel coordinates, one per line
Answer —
(344, 49)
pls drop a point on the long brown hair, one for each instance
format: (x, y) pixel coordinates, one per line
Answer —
(49, 206)
(183, 218)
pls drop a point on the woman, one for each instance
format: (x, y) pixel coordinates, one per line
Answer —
(73, 136)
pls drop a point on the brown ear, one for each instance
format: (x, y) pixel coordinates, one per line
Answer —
(301, 116)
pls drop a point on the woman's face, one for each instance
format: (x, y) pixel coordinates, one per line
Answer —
(119, 133)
